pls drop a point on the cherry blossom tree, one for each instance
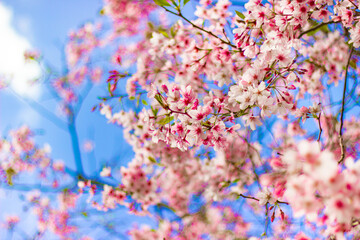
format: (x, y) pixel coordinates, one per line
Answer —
(243, 119)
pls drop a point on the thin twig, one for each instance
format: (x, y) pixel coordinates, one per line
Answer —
(75, 141)
(353, 4)
(40, 109)
(342, 146)
(256, 199)
(179, 14)
(320, 128)
(248, 197)
(42, 188)
(314, 28)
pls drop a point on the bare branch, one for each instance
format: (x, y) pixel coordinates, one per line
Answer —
(342, 146)
(200, 28)
(314, 28)
(320, 128)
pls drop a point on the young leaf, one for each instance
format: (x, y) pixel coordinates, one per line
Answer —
(241, 15)
(164, 33)
(353, 64)
(150, 25)
(9, 175)
(186, 1)
(162, 3)
(137, 101)
(174, 2)
(109, 89)
(166, 120)
(172, 31)
(154, 110)
(152, 159)
(144, 102)
(324, 29)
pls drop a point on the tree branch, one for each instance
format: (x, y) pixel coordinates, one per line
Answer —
(342, 146)
(40, 187)
(200, 28)
(40, 109)
(75, 143)
(314, 28)
(320, 128)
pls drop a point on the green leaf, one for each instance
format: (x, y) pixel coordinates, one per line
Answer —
(144, 102)
(166, 120)
(172, 31)
(186, 1)
(151, 25)
(153, 160)
(353, 64)
(109, 89)
(164, 33)
(160, 100)
(154, 110)
(85, 214)
(241, 15)
(323, 28)
(137, 101)
(132, 98)
(225, 184)
(162, 3)
(174, 2)
(9, 175)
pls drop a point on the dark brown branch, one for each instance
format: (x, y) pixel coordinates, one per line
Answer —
(320, 128)
(179, 14)
(248, 197)
(314, 28)
(353, 4)
(254, 198)
(342, 146)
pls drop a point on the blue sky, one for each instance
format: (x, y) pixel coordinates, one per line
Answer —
(46, 23)
(43, 25)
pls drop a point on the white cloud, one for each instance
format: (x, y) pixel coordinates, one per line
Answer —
(12, 62)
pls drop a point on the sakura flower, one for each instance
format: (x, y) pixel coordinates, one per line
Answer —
(106, 172)
(11, 221)
(259, 93)
(355, 35)
(265, 196)
(315, 108)
(31, 55)
(250, 51)
(88, 146)
(195, 134)
(267, 107)
(252, 121)
(339, 208)
(105, 110)
(283, 107)
(302, 113)
(321, 14)
(59, 165)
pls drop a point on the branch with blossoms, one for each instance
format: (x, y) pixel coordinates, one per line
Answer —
(222, 118)
(342, 146)
(269, 66)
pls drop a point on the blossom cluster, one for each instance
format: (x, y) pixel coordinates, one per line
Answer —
(223, 109)
(19, 154)
(205, 88)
